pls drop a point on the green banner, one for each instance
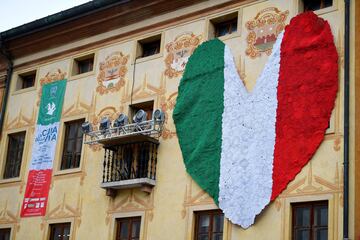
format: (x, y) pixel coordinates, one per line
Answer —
(51, 102)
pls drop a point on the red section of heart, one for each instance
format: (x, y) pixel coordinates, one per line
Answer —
(308, 83)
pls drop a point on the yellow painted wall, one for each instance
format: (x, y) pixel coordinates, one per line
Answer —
(167, 213)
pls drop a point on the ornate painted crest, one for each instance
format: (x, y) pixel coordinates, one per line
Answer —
(264, 29)
(179, 52)
(49, 78)
(112, 72)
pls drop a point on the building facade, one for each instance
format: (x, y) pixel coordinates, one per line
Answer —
(123, 56)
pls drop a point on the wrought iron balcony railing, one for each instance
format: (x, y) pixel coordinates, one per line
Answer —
(131, 163)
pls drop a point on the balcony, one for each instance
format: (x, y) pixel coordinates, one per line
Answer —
(130, 162)
(130, 151)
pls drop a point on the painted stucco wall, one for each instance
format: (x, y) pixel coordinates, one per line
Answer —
(167, 213)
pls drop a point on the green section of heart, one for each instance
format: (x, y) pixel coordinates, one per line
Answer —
(51, 102)
(198, 115)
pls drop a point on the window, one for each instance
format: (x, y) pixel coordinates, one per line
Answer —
(60, 231)
(128, 228)
(310, 221)
(83, 64)
(149, 46)
(209, 225)
(313, 5)
(26, 80)
(14, 155)
(148, 107)
(223, 25)
(5, 233)
(72, 145)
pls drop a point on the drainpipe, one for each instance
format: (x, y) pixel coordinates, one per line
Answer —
(9, 71)
(346, 120)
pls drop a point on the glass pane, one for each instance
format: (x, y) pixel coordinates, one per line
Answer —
(5, 234)
(320, 234)
(233, 27)
(217, 236)
(203, 237)
(72, 130)
(302, 234)
(70, 145)
(302, 216)
(321, 216)
(218, 223)
(204, 222)
(66, 234)
(124, 231)
(57, 233)
(222, 29)
(135, 229)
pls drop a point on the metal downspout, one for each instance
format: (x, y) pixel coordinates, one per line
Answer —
(7, 84)
(346, 119)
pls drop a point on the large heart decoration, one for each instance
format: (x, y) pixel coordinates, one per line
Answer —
(241, 147)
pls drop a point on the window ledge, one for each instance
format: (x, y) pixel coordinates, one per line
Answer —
(10, 180)
(148, 58)
(24, 90)
(82, 75)
(67, 171)
(229, 36)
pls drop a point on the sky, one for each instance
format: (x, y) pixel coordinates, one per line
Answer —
(14, 13)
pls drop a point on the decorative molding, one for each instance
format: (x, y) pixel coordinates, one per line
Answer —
(77, 108)
(178, 53)
(167, 106)
(132, 200)
(20, 121)
(64, 211)
(194, 197)
(263, 31)
(112, 71)
(9, 218)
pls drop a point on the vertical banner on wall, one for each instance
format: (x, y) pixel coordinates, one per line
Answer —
(43, 153)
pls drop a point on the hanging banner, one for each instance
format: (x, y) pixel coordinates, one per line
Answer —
(43, 153)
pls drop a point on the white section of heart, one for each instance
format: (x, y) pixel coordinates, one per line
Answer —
(248, 139)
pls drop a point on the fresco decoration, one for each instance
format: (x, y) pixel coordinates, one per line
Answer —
(263, 31)
(167, 105)
(49, 78)
(112, 113)
(178, 53)
(112, 71)
(245, 157)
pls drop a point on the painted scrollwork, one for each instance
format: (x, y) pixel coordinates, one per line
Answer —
(112, 71)
(179, 52)
(263, 31)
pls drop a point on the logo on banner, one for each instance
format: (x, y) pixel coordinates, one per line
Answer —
(51, 107)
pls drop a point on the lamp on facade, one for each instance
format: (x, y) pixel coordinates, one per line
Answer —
(158, 116)
(140, 116)
(105, 124)
(121, 121)
(86, 127)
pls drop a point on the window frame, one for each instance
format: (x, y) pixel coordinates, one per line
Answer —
(130, 221)
(139, 56)
(233, 16)
(4, 229)
(51, 228)
(6, 155)
(311, 205)
(64, 145)
(74, 67)
(212, 213)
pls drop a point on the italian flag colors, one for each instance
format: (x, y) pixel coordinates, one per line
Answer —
(241, 147)
(43, 150)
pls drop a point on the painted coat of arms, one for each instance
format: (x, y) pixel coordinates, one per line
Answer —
(179, 52)
(263, 31)
(112, 73)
